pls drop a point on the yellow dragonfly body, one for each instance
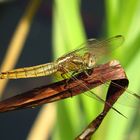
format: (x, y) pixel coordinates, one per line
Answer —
(83, 58)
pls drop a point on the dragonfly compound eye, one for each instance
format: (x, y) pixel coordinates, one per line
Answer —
(91, 61)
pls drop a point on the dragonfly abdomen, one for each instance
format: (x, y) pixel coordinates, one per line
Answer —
(28, 72)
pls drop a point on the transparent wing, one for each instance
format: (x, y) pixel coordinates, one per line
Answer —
(98, 48)
(91, 94)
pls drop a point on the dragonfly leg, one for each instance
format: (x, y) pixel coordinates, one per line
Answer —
(67, 83)
(87, 72)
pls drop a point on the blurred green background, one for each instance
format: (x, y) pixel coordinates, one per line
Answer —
(56, 28)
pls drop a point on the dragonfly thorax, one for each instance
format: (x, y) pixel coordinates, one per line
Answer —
(75, 63)
(71, 63)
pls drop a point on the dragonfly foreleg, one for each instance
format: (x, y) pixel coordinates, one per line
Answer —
(88, 72)
(63, 75)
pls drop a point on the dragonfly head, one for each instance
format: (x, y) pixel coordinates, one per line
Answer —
(90, 60)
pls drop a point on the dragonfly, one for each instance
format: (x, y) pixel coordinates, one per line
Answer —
(87, 56)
